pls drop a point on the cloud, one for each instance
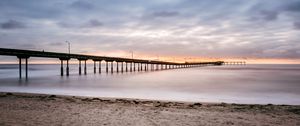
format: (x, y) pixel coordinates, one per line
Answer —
(93, 23)
(158, 19)
(297, 25)
(293, 6)
(12, 24)
(14, 9)
(56, 44)
(165, 14)
(185, 27)
(65, 25)
(83, 5)
(269, 15)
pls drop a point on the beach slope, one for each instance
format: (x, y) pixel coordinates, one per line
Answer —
(42, 110)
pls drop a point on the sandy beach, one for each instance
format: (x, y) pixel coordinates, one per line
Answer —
(42, 110)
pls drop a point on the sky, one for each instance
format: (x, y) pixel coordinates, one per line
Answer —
(166, 29)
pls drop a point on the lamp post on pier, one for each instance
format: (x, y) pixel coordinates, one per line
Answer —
(68, 57)
(69, 46)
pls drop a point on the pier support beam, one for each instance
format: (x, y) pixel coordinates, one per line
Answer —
(61, 68)
(26, 68)
(122, 69)
(112, 67)
(126, 67)
(85, 72)
(67, 69)
(79, 67)
(20, 68)
(84, 69)
(117, 67)
(99, 66)
(130, 66)
(94, 67)
(106, 66)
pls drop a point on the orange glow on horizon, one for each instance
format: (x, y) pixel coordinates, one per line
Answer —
(179, 59)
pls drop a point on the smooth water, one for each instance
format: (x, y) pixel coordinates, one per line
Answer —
(257, 84)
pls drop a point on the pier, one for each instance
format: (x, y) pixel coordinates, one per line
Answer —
(234, 63)
(131, 65)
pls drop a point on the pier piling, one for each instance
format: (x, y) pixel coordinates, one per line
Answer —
(79, 67)
(117, 67)
(94, 67)
(61, 68)
(122, 69)
(106, 66)
(111, 67)
(126, 67)
(134, 66)
(67, 69)
(85, 72)
(100, 67)
(20, 68)
(130, 66)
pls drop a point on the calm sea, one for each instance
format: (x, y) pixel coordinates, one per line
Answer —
(258, 84)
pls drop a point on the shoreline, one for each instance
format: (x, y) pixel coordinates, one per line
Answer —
(43, 109)
(112, 99)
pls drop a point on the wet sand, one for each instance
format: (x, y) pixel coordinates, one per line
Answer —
(39, 109)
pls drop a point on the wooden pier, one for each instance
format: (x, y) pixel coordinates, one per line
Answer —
(141, 64)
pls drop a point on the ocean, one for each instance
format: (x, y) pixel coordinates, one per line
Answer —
(243, 84)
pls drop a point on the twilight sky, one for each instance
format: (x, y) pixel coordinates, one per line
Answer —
(197, 28)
